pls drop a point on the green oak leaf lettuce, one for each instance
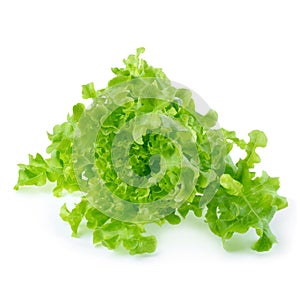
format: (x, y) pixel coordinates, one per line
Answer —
(243, 200)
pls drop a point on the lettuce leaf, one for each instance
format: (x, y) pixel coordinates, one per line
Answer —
(245, 200)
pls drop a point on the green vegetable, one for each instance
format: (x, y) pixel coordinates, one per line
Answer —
(141, 154)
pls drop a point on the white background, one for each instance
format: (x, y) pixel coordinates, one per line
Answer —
(242, 57)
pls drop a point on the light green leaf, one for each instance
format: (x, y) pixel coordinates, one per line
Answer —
(88, 91)
(232, 186)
